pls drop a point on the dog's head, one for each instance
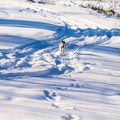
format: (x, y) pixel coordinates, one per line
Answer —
(63, 42)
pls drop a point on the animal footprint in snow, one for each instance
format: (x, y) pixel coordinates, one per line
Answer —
(50, 95)
(71, 117)
(76, 85)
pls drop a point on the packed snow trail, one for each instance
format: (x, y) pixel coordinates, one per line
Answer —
(46, 51)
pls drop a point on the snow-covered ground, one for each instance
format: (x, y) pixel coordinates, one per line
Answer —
(39, 83)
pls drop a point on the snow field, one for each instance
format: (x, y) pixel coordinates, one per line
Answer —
(37, 82)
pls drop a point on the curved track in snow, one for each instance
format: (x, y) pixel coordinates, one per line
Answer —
(28, 55)
(99, 37)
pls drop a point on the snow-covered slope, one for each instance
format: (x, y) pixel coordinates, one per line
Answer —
(39, 83)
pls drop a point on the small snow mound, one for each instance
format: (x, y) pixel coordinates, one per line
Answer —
(64, 68)
(6, 63)
(22, 63)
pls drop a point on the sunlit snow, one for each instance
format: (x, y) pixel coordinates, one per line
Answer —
(39, 83)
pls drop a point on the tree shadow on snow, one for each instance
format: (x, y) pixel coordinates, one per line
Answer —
(28, 24)
(15, 39)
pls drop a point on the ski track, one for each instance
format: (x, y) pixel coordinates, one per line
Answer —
(86, 55)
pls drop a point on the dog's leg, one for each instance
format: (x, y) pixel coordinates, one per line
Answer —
(62, 50)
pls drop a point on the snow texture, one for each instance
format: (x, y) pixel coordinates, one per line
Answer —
(37, 82)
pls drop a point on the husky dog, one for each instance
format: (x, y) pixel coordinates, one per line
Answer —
(62, 46)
